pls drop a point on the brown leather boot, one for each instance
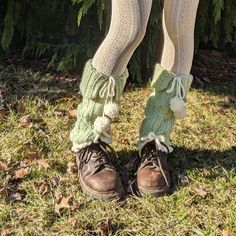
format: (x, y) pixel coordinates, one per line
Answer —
(153, 173)
(97, 175)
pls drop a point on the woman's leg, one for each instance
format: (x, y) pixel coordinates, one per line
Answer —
(145, 9)
(123, 32)
(101, 87)
(178, 24)
(171, 83)
(127, 30)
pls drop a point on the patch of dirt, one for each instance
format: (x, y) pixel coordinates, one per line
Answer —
(214, 66)
(208, 65)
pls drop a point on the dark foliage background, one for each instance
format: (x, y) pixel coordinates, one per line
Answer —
(67, 32)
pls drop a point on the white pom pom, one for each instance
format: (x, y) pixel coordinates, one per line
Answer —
(111, 110)
(102, 124)
(177, 105)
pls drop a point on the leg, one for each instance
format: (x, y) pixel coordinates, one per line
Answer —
(171, 83)
(123, 32)
(145, 9)
(101, 90)
(178, 24)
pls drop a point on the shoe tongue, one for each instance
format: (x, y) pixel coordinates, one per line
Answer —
(95, 146)
(150, 146)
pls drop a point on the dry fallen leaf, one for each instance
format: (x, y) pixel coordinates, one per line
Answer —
(71, 167)
(105, 227)
(25, 122)
(2, 114)
(225, 232)
(201, 192)
(73, 113)
(24, 163)
(21, 173)
(43, 164)
(58, 196)
(73, 222)
(59, 113)
(3, 166)
(16, 197)
(33, 154)
(64, 202)
(6, 232)
(45, 191)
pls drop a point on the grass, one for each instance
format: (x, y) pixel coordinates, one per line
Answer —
(203, 166)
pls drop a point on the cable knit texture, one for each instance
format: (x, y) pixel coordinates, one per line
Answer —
(92, 105)
(159, 117)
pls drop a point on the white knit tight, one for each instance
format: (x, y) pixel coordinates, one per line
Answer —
(178, 24)
(128, 28)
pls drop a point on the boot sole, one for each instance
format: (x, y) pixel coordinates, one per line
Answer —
(97, 195)
(155, 193)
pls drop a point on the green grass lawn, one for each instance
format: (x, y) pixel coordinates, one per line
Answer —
(37, 172)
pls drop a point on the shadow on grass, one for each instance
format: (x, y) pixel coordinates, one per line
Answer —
(28, 84)
(183, 160)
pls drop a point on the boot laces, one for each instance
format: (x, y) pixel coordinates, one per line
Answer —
(99, 153)
(151, 156)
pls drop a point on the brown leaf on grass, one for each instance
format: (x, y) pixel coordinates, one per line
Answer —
(225, 232)
(72, 113)
(58, 196)
(33, 154)
(6, 232)
(16, 197)
(64, 202)
(71, 168)
(43, 164)
(25, 122)
(73, 222)
(21, 173)
(2, 114)
(45, 191)
(59, 113)
(3, 166)
(43, 187)
(200, 191)
(24, 163)
(105, 227)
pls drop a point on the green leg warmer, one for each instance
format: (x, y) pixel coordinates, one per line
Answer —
(164, 106)
(99, 106)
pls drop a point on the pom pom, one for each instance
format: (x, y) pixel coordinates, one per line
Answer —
(111, 110)
(102, 125)
(177, 105)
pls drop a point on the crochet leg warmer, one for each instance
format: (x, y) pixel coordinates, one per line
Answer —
(99, 106)
(164, 106)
